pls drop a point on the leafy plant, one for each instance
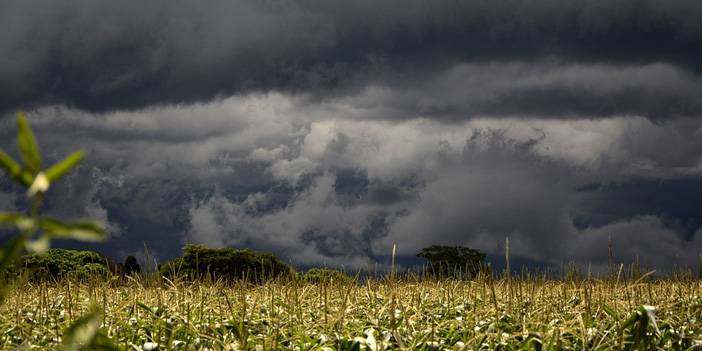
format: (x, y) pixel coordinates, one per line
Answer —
(199, 261)
(131, 266)
(453, 261)
(61, 263)
(37, 181)
(36, 230)
(326, 275)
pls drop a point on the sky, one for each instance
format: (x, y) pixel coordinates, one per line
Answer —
(327, 132)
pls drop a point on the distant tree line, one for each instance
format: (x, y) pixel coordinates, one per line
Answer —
(457, 262)
(201, 262)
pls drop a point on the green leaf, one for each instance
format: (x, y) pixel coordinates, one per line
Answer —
(635, 317)
(79, 230)
(85, 334)
(59, 169)
(28, 144)
(611, 312)
(14, 170)
(10, 251)
(22, 222)
(10, 217)
(9, 164)
(8, 254)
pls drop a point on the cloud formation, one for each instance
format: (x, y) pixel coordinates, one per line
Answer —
(395, 59)
(327, 132)
(271, 173)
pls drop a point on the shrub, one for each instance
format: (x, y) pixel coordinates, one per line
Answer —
(453, 261)
(199, 261)
(131, 266)
(57, 264)
(326, 275)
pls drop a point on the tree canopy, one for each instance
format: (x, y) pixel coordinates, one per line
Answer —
(453, 261)
(200, 261)
(61, 263)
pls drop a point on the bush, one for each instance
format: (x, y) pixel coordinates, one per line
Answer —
(131, 266)
(326, 275)
(453, 261)
(199, 261)
(61, 263)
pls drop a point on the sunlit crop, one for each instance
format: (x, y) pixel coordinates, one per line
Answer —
(377, 314)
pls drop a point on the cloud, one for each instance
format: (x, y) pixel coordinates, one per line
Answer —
(645, 239)
(315, 228)
(327, 132)
(574, 57)
(490, 187)
(527, 89)
(272, 172)
(7, 200)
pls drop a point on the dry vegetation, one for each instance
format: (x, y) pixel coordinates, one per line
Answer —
(510, 314)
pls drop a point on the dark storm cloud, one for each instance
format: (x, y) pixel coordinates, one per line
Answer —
(674, 201)
(266, 172)
(318, 130)
(101, 55)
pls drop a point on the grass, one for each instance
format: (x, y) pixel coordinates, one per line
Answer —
(527, 312)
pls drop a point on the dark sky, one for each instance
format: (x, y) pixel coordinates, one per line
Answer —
(327, 131)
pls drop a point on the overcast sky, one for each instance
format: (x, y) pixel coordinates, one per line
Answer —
(327, 131)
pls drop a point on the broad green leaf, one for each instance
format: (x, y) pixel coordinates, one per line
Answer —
(9, 253)
(636, 316)
(9, 164)
(104, 343)
(85, 334)
(14, 170)
(59, 169)
(10, 217)
(28, 144)
(19, 220)
(610, 312)
(79, 230)
(11, 250)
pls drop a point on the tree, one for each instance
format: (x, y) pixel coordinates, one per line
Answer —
(131, 266)
(59, 264)
(453, 261)
(199, 261)
(326, 275)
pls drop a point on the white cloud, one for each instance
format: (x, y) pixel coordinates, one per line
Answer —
(472, 182)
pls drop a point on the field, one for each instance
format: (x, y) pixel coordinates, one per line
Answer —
(508, 313)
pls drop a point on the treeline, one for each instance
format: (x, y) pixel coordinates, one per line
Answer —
(200, 262)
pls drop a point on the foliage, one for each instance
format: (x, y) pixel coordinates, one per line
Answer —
(326, 275)
(131, 266)
(61, 263)
(85, 333)
(453, 261)
(526, 312)
(37, 181)
(36, 230)
(199, 261)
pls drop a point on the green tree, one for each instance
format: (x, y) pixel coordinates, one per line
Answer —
(61, 263)
(131, 266)
(199, 261)
(453, 261)
(326, 275)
